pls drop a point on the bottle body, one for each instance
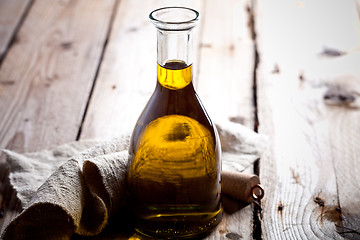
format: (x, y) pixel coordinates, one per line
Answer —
(174, 167)
(174, 163)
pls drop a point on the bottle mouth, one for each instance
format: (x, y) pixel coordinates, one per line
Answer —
(174, 18)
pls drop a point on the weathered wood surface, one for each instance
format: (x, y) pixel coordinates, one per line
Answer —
(225, 77)
(308, 104)
(12, 13)
(47, 74)
(85, 69)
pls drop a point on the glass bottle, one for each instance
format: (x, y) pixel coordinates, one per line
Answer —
(174, 164)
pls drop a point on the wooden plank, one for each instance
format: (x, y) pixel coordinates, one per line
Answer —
(11, 14)
(46, 77)
(345, 141)
(48, 73)
(337, 81)
(225, 82)
(121, 93)
(225, 78)
(309, 170)
(127, 75)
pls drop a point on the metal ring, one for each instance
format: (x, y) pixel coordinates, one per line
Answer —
(257, 188)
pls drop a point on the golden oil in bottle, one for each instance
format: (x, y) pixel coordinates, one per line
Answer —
(174, 168)
(174, 163)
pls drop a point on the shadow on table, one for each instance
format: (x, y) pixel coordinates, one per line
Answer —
(121, 226)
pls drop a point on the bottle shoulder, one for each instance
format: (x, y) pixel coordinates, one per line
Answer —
(166, 102)
(184, 102)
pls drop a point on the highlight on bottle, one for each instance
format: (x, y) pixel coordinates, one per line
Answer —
(174, 18)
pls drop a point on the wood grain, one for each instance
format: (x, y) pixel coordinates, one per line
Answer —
(46, 78)
(308, 170)
(337, 81)
(345, 137)
(227, 61)
(11, 14)
(48, 73)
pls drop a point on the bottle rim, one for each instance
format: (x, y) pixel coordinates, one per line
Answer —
(174, 18)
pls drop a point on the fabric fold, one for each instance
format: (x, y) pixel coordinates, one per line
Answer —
(77, 205)
(77, 187)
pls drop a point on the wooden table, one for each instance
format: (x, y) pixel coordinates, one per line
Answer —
(77, 69)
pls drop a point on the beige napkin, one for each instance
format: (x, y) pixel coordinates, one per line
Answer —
(76, 187)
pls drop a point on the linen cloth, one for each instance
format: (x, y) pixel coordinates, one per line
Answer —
(76, 187)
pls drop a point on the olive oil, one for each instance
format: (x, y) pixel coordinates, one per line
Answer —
(174, 168)
(175, 75)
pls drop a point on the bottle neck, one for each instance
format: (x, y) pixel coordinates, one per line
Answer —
(174, 46)
(174, 57)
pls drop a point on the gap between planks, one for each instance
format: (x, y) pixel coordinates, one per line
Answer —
(108, 33)
(6, 44)
(8, 198)
(257, 211)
